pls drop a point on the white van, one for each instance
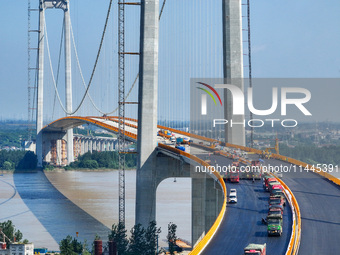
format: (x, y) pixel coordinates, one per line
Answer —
(233, 196)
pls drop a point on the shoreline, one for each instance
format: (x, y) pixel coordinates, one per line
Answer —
(61, 170)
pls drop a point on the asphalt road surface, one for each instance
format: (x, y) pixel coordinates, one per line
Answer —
(319, 201)
(242, 222)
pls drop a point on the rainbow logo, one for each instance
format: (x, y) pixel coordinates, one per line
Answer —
(209, 93)
(204, 97)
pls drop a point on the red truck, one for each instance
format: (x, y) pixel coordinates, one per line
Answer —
(276, 189)
(235, 176)
(267, 181)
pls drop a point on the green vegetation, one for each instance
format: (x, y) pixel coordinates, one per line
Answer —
(104, 159)
(313, 154)
(71, 246)
(9, 230)
(10, 160)
(141, 242)
(12, 133)
(172, 237)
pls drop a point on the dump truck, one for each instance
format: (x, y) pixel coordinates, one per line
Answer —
(179, 140)
(256, 169)
(270, 181)
(277, 200)
(255, 249)
(275, 211)
(234, 177)
(273, 184)
(277, 190)
(274, 225)
(276, 206)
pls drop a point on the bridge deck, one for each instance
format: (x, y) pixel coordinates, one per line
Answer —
(242, 224)
(319, 202)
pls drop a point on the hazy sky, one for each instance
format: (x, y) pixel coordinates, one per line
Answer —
(289, 39)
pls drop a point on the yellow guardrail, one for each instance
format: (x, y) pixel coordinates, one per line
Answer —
(295, 238)
(206, 239)
(294, 242)
(310, 167)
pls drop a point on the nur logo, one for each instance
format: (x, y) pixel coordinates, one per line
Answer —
(238, 99)
(204, 97)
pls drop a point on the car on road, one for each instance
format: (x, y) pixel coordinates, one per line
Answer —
(255, 249)
(233, 191)
(233, 196)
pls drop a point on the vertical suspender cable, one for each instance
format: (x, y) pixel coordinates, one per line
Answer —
(250, 74)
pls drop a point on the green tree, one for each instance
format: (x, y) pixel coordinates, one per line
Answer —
(9, 230)
(172, 237)
(118, 235)
(151, 236)
(7, 165)
(86, 248)
(137, 242)
(77, 246)
(66, 246)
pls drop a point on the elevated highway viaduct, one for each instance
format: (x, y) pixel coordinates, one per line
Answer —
(319, 201)
(319, 204)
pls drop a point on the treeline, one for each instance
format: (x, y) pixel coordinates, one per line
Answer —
(142, 241)
(12, 137)
(312, 154)
(11, 160)
(103, 159)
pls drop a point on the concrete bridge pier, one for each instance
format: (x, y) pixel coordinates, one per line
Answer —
(207, 200)
(206, 193)
(54, 147)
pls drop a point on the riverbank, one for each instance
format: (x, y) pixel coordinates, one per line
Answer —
(61, 170)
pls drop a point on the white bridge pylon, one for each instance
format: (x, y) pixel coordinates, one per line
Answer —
(63, 5)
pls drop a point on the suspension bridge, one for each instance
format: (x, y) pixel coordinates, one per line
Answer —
(151, 93)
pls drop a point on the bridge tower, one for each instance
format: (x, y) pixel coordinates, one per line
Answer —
(147, 113)
(232, 66)
(63, 5)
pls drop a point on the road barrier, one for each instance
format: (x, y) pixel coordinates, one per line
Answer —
(310, 168)
(294, 243)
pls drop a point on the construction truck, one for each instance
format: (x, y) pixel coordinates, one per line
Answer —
(277, 200)
(277, 190)
(255, 249)
(274, 225)
(235, 177)
(275, 211)
(256, 169)
(182, 148)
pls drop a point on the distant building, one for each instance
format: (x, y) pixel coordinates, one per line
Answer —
(17, 249)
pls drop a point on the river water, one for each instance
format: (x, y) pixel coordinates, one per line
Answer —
(47, 207)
